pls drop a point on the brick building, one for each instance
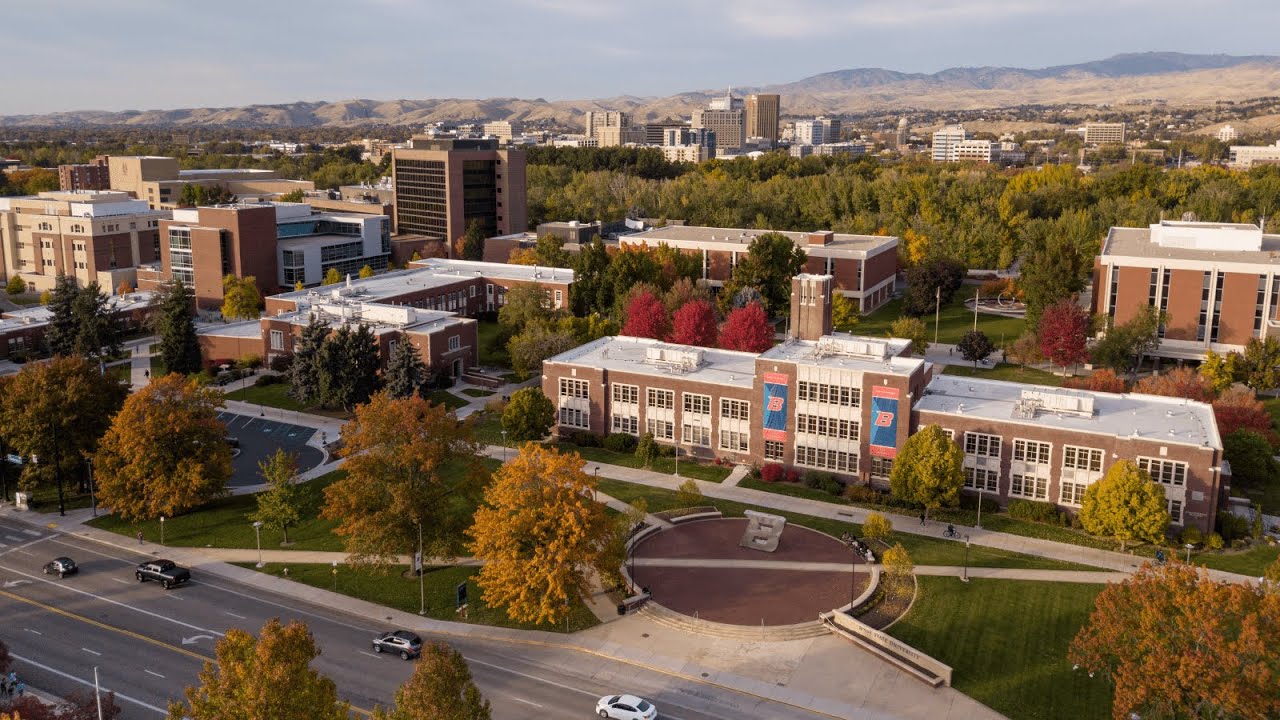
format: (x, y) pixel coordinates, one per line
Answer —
(22, 331)
(85, 177)
(1218, 283)
(846, 405)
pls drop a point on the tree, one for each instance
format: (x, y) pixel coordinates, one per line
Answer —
(124, 288)
(975, 346)
(240, 297)
(348, 363)
(1252, 460)
(913, 329)
(16, 285)
(1025, 350)
(1054, 269)
(97, 330)
(332, 277)
(646, 316)
(683, 292)
(1123, 347)
(747, 329)
(1260, 364)
(304, 370)
(470, 246)
(931, 282)
(293, 196)
(1181, 382)
(58, 411)
(79, 705)
(876, 527)
(694, 324)
(526, 304)
(440, 688)
(1219, 370)
(1163, 637)
(1064, 333)
(1104, 380)
(269, 676)
(539, 533)
(366, 272)
(772, 260)
(278, 504)
(899, 571)
(406, 372)
(647, 449)
(1125, 504)
(165, 453)
(538, 342)
(174, 322)
(528, 416)
(1238, 409)
(688, 494)
(409, 464)
(591, 289)
(844, 313)
(928, 470)
(62, 329)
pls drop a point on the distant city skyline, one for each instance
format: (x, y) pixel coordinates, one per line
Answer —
(152, 54)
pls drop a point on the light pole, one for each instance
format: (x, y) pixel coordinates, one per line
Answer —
(677, 458)
(937, 311)
(851, 542)
(965, 576)
(422, 591)
(504, 446)
(979, 525)
(162, 530)
(335, 574)
(257, 535)
(1189, 546)
(93, 498)
(596, 488)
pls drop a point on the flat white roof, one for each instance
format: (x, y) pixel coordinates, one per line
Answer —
(646, 356)
(841, 245)
(851, 352)
(1150, 417)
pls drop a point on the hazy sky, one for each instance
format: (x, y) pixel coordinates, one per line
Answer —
(147, 54)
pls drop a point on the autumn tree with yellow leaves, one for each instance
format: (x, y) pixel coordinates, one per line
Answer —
(539, 533)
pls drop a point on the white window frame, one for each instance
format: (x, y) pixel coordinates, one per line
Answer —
(696, 403)
(1076, 451)
(1029, 487)
(991, 479)
(1021, 447)
(277, 340)
(735, 441)
(455, 342)
(1068, 491)
(731, 409)
(652, 394)
(660, 429)
(775, 450)
(1160, 468)
(982, 444)
(1176, 508)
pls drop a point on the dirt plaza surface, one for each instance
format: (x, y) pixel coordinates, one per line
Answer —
(714, 590)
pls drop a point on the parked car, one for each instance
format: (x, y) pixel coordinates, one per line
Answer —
(165, 572)
(626, 707)
(403, 642)
(232, 441)
(61, 566)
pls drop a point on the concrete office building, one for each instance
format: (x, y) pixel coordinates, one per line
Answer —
(846, 405)
(1104, 133)
(980, 150)
(762, 114)
(614, 136)
(944, 139)
(810, 132)
(1244, 157)
(595, 120)
(504, 130)
(864, 266)
(1226, 134)
(442, 185)
(97, 237)
(1218, 283)
(689, 145)
(160, 182)
(727, 124)
(831, 128)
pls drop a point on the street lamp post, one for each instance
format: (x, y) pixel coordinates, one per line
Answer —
(93, 498)
(257, 535)
(504, 446)
(162, 530)
(965, 576)
(422, 591)
(335, 574)
(979, 525)
(677, 458)
(851, 542)
(1189, 547)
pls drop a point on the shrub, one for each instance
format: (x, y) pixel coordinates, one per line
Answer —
(772, 473)
(814, 479)
(1232, 527)
(281, 363)
(970, 502)
(688, 494)
(877, 526)
(1191, 534)
(249, 361)
(670, 451)
(619, 442)
(265, 380)
(831, 486)
(646, 449)
(1214, 541)
(582, 438)
(864, 494)
(1035, 511)
(793, 475)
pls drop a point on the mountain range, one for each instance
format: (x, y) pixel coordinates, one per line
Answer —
(1176, 78)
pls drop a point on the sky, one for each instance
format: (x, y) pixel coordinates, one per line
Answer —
(167, 54)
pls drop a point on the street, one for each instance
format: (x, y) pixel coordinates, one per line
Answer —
(150, 644)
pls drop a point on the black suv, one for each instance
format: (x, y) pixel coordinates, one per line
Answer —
(164, 571)
(399, 641)
(61, 566)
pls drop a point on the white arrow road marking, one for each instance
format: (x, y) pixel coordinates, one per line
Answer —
(16, 583)
(195, 638)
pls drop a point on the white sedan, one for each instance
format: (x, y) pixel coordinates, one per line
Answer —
(626, 707)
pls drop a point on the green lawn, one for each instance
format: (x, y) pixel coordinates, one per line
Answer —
(477, 392)
(1006, 371)
(276, 396)
(123, 372)
(953, 322)
(446, 398)
(393, 588)
(487, 428)
(1252, 562)
(1272, 404)
(1007, 642)
(923, 550)
(688, 468)
(158, 368)
(959, 516)
(490, 355)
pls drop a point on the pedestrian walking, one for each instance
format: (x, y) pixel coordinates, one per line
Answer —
(922, 519)
(22, 688)
(950, 350)
(139, 537)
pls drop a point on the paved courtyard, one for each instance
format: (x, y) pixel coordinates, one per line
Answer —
(698, 569)
(259, 439)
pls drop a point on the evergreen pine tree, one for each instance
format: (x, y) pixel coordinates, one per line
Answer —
(305, 372)
(348, 367)
(97, 329)
(175, 324)
(61, 335)
(406, 373)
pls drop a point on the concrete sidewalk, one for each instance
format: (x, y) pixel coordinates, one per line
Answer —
(1070, 576)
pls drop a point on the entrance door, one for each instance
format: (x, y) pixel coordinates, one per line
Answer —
(457, 368)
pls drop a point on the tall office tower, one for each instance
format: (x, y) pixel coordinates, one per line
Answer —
(724, 117)
(762, 116)
(830, 128)
(442, 184)
(597, 119)
(944, 139)
(810, 132)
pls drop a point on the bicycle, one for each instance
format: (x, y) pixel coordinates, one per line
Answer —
(951, 532)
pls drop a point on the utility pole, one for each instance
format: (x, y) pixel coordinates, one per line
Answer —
(977, 297)
(937, 311)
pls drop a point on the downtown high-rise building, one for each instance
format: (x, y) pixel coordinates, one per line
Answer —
(762, 112)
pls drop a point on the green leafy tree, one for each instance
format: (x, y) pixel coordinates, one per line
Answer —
(293, 196)
(406, 372)
(528, 416)
(1125, 504)
(527, 304)
(1218, 370)
(975, 346)
(332, 277)
(240, 297)
(471, 244)
(46, 297)
(591, 289)
(348, 363)
(304, 371)
(278, 504)
(928, 470)
(550, 252)
(913, 329)
(174, 322)
(537, 343)
(440, 688)
(772, 260)
(1260, 364)
(269, 676)
(1055, 268)
(16, 285)
(1124, 346)
(931, 282)
(647, 449)
(844, 313)
(688, 494)
(62, 329)
(1253, 462)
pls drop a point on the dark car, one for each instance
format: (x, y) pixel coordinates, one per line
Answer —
(399, 641)
(164, 571)
(61, 566)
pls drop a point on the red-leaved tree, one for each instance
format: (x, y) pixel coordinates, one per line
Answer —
(1180, 382)
(694, 323)
(646, 316)
(747, 329)
(1064, 333)
(1102, 380)
(1238, 409)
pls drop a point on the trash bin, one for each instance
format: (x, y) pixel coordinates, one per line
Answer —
(21, 500)
(622, 608)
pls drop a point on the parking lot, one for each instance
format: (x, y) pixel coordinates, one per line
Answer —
(260, 438)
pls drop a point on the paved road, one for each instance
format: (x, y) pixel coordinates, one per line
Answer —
(149, 644)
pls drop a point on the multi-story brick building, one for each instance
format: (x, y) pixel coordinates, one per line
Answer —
(85, 177)
(864, 266)
(846, 405)
(1218, 283)
(90, 236)
(22, 332)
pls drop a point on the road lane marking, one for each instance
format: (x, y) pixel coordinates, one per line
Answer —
(37, 632)
(535, 678)
(14, 538)
(228, 612)
(27, 545)
(30, 532)
(89, 683)
(526, 702)
(91, 652)
(149, 672)
(122, 582)
(372, 655)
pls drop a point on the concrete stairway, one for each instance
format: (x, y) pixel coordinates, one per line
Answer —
(670, 618)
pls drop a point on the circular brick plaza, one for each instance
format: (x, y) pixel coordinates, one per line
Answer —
(700, 570)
